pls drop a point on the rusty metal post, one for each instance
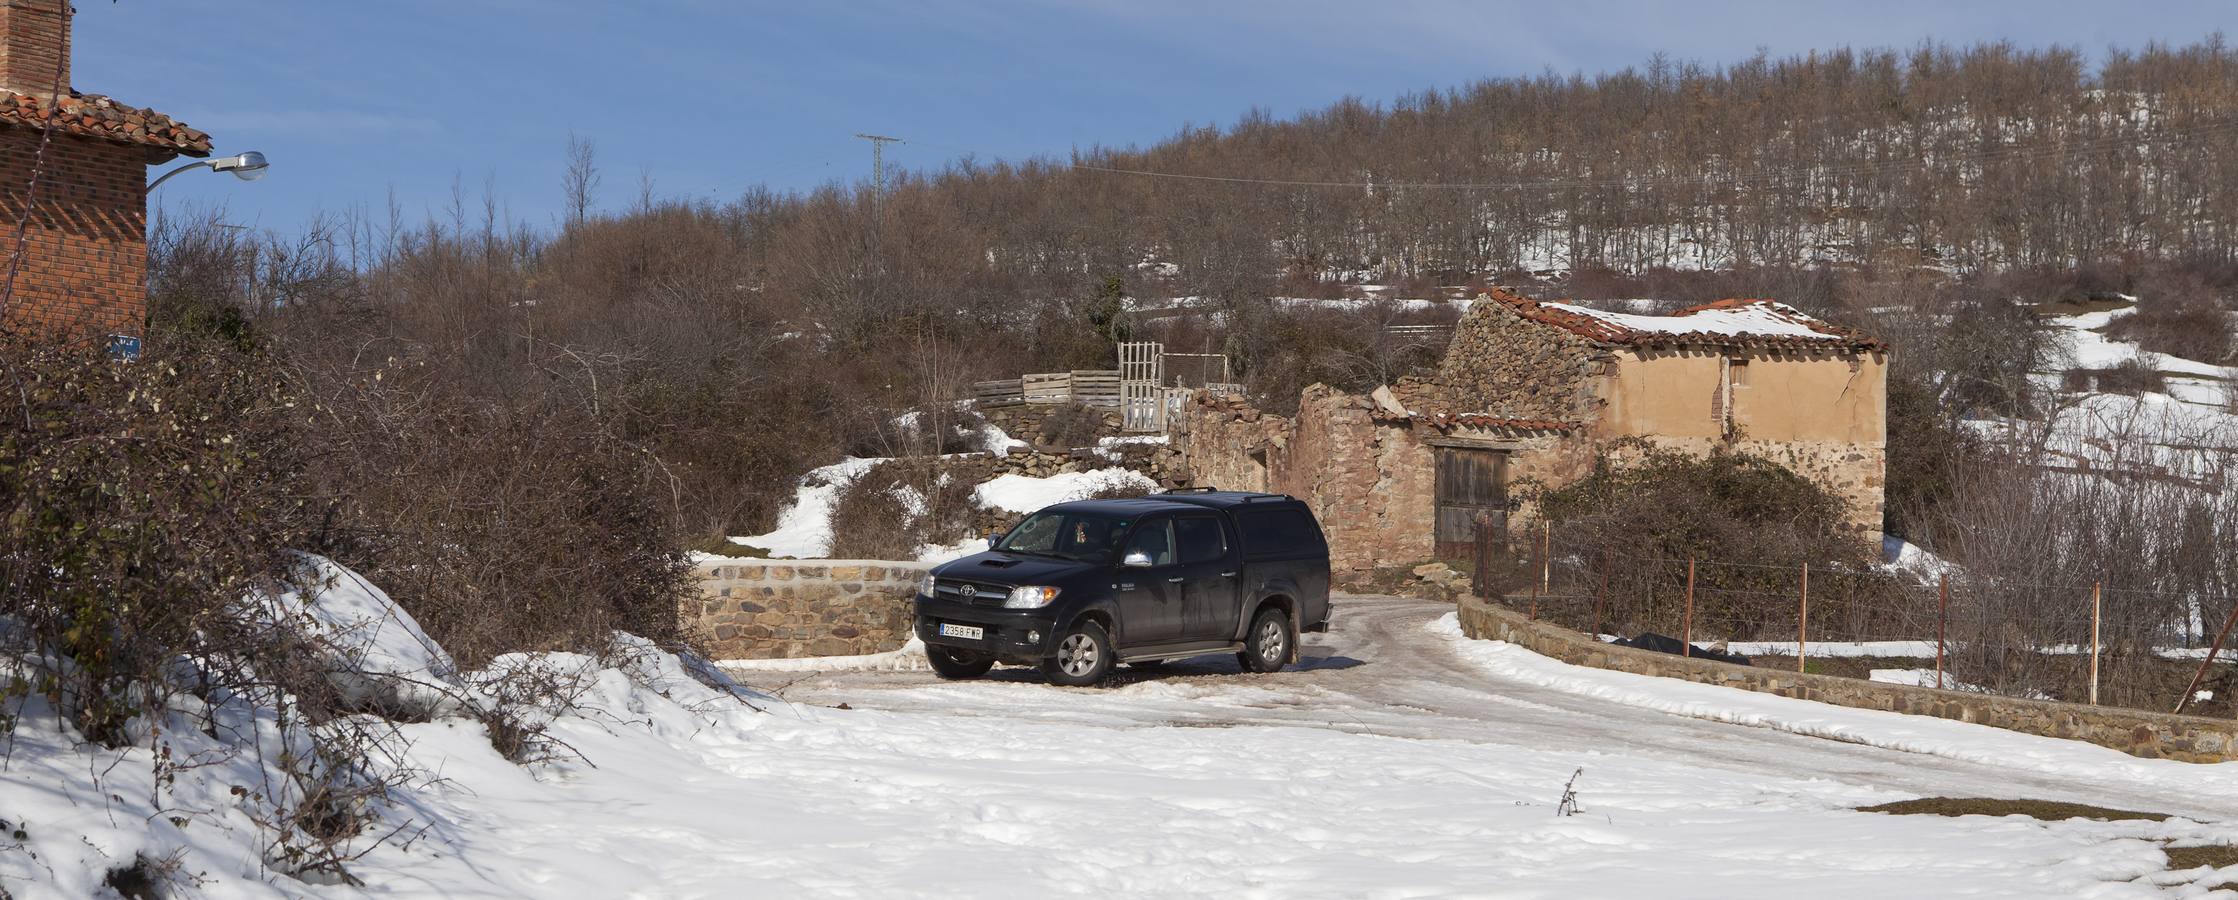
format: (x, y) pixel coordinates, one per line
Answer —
(1686, 628)
(1545, 584)
(1803, 621)
(2095, 608)
(1534, 595)
(1942, 613)
(1546, 563)
(2212, 649)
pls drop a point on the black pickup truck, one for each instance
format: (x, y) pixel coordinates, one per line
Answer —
(1080, 587)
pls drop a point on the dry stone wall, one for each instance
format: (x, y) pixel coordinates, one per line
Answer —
(2136, 732)
(1500, 364)
(783, 609)
(1370, 483)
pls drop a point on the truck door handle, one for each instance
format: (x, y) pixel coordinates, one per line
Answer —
(1230, 574)
(1176, 579)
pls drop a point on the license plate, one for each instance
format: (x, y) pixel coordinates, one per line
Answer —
(967, 632)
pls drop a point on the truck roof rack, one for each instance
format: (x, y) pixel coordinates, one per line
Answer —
(1191, 490)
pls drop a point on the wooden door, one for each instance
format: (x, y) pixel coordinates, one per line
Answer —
(1470, 482)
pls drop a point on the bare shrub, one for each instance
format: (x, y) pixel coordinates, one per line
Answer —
(2190, 324)
(1652, 509)
(1071, 425)
(897, 507)
(138, 503)
(2033, 539)
(501, 529)
(1117, 489)
(2130, 376)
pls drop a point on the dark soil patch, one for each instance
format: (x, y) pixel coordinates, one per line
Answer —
(2047, 810)
(2181, 858)
(2081, 306)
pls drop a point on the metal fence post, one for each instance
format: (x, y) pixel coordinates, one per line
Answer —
(2095, 607)
(1803, 621)
(1942, 613)
(2212, 649)
(1546, 563)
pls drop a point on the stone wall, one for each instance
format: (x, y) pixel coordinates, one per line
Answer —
(1026, 422)
(1370, 482)
(2136, 732)
(1502, 365)
(765, 609)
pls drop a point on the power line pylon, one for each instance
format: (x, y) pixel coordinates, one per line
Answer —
(878, 144)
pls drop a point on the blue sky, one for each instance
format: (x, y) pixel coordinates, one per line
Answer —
(355, 101)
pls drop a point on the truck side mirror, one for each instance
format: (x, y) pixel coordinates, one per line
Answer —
(1136, 559)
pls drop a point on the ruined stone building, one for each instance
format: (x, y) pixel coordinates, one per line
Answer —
(1539, 390)
(83, 273)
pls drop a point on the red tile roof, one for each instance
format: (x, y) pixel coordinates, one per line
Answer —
(95, 116)
(1471, 420)
(1754, 323)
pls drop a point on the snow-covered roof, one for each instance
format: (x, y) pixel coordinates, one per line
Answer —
(1737, 322)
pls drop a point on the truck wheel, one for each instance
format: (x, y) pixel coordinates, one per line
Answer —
(1084, 656)
(1268, 648)
(954, 664)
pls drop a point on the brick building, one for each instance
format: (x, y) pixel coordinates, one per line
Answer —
(1540, 390)
(84, 269)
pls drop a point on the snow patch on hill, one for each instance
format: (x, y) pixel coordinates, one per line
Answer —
(804, 529)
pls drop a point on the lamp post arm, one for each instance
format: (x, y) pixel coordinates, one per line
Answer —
(167, 175)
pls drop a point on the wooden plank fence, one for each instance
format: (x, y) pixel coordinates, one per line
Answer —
(998, 394)
(1088, 387)
(1096, 387)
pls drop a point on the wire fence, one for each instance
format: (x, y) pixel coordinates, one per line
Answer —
(2090, 642)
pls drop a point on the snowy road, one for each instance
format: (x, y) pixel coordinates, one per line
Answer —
(1380, 671)
(1401, 761)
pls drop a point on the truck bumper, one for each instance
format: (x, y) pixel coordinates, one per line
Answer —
(1007, 634)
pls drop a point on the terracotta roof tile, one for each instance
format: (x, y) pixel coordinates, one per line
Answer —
(1429, 403)
(96, 116)
(1472, 420)
(1738, 322)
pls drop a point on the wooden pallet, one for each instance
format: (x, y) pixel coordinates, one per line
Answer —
(998, 394)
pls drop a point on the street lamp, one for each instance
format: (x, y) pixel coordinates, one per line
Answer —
(248, 166)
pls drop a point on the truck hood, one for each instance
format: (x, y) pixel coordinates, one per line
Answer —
(1013, 569)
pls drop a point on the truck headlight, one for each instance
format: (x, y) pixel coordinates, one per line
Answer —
(927, 585)
(1030, 597)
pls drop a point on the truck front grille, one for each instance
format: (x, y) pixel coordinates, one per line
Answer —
(973, 594)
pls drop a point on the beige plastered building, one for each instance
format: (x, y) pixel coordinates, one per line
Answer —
(1539, 390)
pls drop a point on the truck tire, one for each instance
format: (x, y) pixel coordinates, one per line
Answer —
(954, 664)
(1270, 643)
(1084, 656)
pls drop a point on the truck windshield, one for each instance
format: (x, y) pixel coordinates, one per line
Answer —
(1085, 536)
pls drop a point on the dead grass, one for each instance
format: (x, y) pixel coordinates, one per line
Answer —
(2181, 858)
(2047, 810)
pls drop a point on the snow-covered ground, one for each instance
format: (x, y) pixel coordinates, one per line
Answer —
(804, 529)
(1399, 760)
(2187, 431)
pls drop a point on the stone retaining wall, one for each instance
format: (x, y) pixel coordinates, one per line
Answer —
(2136, 732)
(779, 609)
